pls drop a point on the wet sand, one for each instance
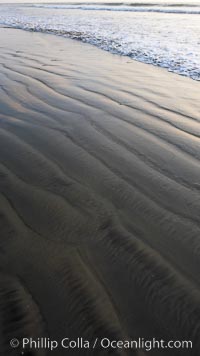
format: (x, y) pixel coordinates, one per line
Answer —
(99, 197)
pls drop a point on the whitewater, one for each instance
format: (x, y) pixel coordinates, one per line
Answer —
(165, 35)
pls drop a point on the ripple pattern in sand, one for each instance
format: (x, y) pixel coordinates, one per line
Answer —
(99, 197)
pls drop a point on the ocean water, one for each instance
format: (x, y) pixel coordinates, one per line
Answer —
(155, 32)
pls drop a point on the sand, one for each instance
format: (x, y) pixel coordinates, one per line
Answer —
(99, 197)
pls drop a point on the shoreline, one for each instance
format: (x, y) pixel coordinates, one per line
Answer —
(102, 49)
(99, 178)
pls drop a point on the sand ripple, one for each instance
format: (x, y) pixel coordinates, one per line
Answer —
(99, 197)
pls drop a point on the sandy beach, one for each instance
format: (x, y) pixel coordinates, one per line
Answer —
(99, 198)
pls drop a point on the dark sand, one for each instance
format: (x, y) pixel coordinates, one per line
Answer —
(99, 197)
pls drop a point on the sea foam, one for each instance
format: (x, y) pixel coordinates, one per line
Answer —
(165, 36)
